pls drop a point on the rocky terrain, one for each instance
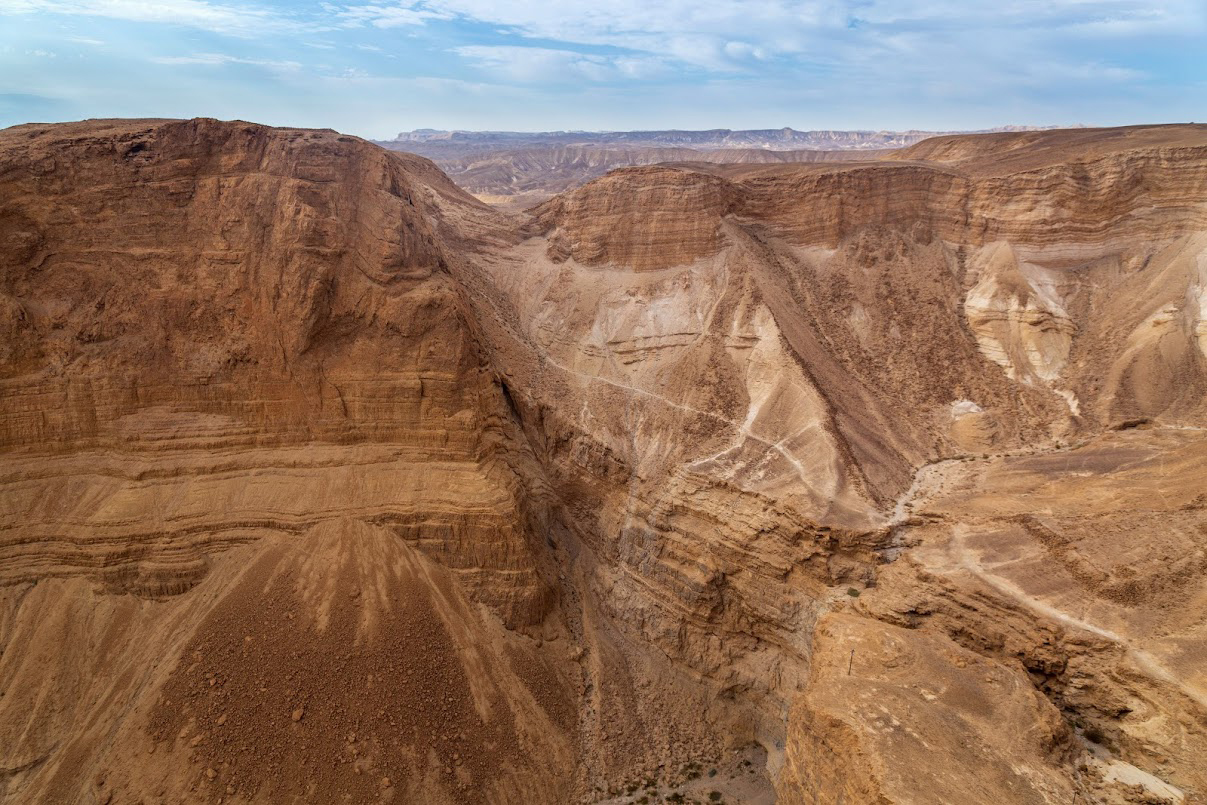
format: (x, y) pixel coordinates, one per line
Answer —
(840, 481)
(516, 170)
(521, 178)
(440, 142)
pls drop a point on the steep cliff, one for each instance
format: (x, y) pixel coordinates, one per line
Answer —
(253, 469)
(526, 176)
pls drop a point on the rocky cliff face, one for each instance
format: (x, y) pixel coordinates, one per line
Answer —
(252, 470)
(520, 169)
(526, 176)
(321, 477)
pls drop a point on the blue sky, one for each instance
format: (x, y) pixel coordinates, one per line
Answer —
(380, 67)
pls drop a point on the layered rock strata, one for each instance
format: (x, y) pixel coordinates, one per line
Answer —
(320, 476)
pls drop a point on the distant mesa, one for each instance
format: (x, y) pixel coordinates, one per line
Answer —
(519, 169)
(702, 139)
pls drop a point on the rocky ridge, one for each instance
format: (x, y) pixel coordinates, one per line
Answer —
(419, 140)
(518, 169)
(523, 177)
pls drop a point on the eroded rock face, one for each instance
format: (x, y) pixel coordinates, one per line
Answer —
(229, 337)
(336, 480)
(884, 702)
(645, 219)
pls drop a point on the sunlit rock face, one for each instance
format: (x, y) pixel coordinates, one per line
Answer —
(850, 481)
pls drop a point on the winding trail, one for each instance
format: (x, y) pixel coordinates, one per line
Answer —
(1144, 659)
(743, 428)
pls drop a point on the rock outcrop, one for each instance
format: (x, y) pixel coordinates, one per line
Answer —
(527, 176)
(868, 481)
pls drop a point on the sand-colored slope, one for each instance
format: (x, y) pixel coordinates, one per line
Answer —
(1101, 546)
(337, 661)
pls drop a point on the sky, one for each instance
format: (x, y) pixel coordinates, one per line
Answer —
(377, 68)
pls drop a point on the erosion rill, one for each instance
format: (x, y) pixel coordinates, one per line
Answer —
(878, 481)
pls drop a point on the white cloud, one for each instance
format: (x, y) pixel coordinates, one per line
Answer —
(729, 35)
(385, 15)
(543, 65)
(744, 50)
(236, 20)
(219, 59)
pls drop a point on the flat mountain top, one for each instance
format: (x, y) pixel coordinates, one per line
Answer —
(783, 138)
(519, 169)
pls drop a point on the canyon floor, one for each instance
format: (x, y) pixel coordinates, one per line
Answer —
(876, 480)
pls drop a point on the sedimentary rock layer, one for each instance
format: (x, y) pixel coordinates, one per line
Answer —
(317, 475)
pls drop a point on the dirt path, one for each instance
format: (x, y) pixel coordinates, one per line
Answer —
(1144, 659)
(743, 428)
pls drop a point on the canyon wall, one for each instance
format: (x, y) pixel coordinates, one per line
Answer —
(319, 475)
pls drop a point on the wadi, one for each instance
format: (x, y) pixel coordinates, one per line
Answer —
(879, 478)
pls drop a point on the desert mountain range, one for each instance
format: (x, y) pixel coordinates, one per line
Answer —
(436, 141)
(842, 481)
(518, 169)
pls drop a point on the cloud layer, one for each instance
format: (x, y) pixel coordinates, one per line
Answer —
(625, 63)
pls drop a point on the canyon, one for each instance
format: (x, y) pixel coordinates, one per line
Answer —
(859, 479)
(516, 169)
